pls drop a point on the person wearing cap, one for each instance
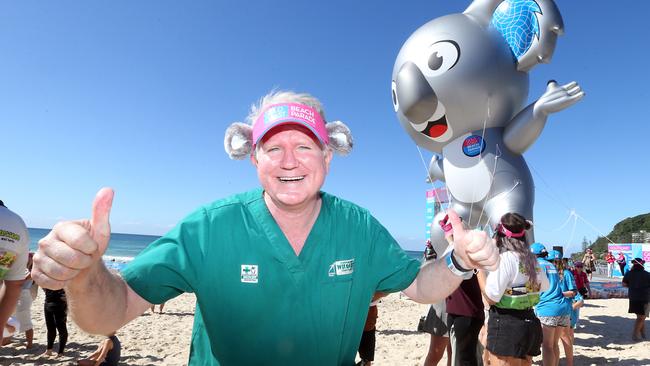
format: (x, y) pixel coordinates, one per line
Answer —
(14, 253)
(282, 275)
(514, 334)
(552, 310)
(568, 287)
(637, 281)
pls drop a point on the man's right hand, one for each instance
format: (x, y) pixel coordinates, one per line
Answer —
(73, 248)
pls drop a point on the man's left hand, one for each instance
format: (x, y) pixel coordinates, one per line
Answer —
(473, 249)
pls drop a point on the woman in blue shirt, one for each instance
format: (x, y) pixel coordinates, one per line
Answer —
(569, 290)
(553, 311)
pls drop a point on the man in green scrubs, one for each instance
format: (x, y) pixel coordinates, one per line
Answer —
(282, 275)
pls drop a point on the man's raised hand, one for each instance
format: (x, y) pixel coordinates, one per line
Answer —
(473, 249)
(72, 248)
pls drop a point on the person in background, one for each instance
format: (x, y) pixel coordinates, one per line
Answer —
(553, 311)
(465, 316)
(568, 336)
(160, 308)
(568, 287)
(610, 259)
(108, 353)
(14, 252)
(326, 256)
(55, 311)
(435, 322)
(622, 262)
(368, 337)
(589, 261)
(9, 330)
(637, 281)
(429, 252)
(514, 334)
(24, 307)
(582, 282)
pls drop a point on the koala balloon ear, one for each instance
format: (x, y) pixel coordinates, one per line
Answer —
(530, 27)
(340, 137)
(482, 10)
(238, 140)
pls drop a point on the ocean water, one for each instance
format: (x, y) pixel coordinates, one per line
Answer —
(124, 247)
(121, 249)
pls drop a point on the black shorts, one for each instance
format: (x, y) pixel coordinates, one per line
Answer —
(514, 333)
(639, 307)
(436, 322)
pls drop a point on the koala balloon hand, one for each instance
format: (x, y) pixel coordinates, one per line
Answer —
(557, 98)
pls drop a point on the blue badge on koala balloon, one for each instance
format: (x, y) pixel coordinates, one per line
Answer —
(473, 145)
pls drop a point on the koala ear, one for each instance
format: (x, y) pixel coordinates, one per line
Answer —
(530, 27)
(482, 10)
(238, 141)
(340, 137)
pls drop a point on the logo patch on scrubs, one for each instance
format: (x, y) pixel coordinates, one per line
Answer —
(341, 268)
(249, 273)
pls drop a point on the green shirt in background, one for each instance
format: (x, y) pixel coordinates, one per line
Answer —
(257, 302)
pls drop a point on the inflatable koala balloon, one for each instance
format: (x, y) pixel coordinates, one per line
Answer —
(459, 85)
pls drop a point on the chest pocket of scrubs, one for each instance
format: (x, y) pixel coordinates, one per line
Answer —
(334, 304)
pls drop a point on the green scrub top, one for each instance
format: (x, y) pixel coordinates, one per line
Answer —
(260, 303)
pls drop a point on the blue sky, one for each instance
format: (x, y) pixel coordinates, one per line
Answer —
(137, 96)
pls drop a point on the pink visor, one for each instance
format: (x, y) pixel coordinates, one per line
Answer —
(286, 113)
(509, 233)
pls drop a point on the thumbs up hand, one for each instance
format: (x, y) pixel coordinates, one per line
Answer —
(73, 248)
(473, 249)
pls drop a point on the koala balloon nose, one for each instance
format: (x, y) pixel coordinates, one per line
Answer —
(414, 94)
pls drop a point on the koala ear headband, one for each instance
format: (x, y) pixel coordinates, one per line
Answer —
(241, 138)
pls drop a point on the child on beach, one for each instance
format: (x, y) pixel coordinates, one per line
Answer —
(55, 311)
(582, 282)
(10, 327)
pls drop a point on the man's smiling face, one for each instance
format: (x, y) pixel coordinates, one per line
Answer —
(291, 165)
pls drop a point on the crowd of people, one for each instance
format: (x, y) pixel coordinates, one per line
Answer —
(531, 301)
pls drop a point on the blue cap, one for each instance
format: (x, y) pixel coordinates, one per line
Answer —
(538, 248)
(553, 255)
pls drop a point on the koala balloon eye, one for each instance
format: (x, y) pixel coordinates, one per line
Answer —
(441, 57)
(393, 90)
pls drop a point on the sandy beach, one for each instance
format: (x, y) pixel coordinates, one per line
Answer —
(603, 336)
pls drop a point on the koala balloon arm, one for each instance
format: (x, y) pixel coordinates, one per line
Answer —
(436, 171)
(527, 125)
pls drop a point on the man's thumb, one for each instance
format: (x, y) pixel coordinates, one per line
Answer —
(100, 226)
(456, 224)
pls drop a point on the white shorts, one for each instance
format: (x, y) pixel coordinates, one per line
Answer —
(24, 311)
